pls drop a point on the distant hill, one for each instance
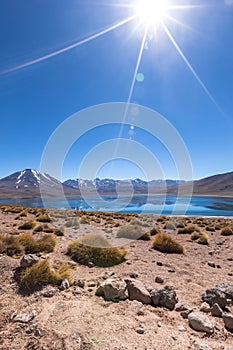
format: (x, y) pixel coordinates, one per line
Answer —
(28, 184)
(221, 184)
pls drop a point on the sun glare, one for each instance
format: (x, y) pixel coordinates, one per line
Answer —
(151, 12)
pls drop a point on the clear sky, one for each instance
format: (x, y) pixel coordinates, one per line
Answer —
(185, 73)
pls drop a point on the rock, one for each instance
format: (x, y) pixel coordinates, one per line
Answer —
(81, 283)
(182, 306)
(200, 322)
(90, 264)
(221, 294)
(216, 310)
(28, 260)
(77, 292)
(108, 274)
(23, 318)
(64, 285)
(48, 293)
(171, 270)
(159, 279)
(137, 291)
(165, 297)
(205, 307)
(200, 346)
(228, 320)
(184, 309)
(140, 330)
(113, 289)
(137, 304)
(181, 329)
(133, 275)
(159, 263)
(91, 284)
(211, 264)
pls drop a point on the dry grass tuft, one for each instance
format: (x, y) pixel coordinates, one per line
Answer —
(187, 229)
(166, 244)
(42, 274)
(97, 250)
(44, 218)
(45, 244)
(201, 238)
(29, 225)
(226, 231)
(10, 245)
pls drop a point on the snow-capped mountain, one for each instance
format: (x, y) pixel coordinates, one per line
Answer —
(110, 185)
(29, 183)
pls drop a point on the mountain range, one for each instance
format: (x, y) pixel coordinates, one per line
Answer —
(28, 184)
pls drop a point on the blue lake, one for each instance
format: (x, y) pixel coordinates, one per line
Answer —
(153, 204)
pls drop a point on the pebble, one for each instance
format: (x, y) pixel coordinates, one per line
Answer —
(159, 263)
(159, 279)
(133, 275)
(211, 264)
(181, 329)
(140, 330)
(81, 283)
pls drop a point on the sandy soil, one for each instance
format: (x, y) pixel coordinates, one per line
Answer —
(72, 321)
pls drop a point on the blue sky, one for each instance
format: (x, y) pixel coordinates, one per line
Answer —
(36, 99)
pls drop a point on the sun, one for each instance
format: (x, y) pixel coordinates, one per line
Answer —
(151, 12)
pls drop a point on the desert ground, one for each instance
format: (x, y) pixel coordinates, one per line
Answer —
(73, 317)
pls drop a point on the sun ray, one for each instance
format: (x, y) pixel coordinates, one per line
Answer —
(131, 89)
(188, 64)
(70, 47)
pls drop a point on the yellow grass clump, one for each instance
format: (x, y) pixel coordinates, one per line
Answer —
(201, 238)
(95, 249)
(226, 231)
(10, 245)
(29, 225)
(187, 229)
(42, 274)
(45, 244)
(43, 218)
(164, 243)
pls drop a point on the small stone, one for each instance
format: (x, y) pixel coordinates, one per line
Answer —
(182, 306)
(91, 284)
(113, 289)
(185, 313)
(216, 310)
(200, 322)
(23, 318)
(165, 297)
(228, 321)
(230, 259)
(181, 329)
(211, 264)
(218, 266)
(64, 285)
(159, 280)
(137, 291)
(205, 307)
(171, 270)
(81, 283)
(230, 273)
(211, 253)
(90, 264)
(140, 330)
(159, 263)
(28, 260)
(108, 274)
(77, 292)
(133, 275)
(137, 304)
(200, 346)
(48, 293)
(159, 324)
